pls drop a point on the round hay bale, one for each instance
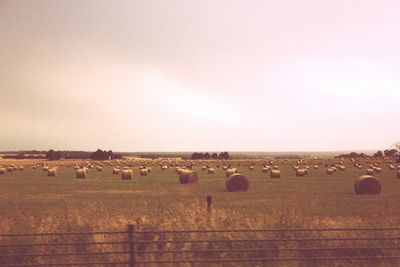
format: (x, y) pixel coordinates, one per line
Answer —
(377, 170)
(2, 170)
(188, 177)
(164, 167)
(367, 184)
(179, 170)
(52, 172)
(265, 169)
(204, 168)
(342, 168)
(126, 174)
(329, 171)
(99, 168)
(316, 167)
(10, 169)
(300, 172)
(143, 172)
(81, 173)
(370, 171)
(148, 169)
(21, 168)
(224, 168)
(45, 168)
(229, 172)
(391, 167)
(275, 174)
(237, 182)
(211, 170)
(251, 168)
(34, 167)
(116, 171)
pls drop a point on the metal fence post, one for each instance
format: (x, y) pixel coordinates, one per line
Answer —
(131, 244)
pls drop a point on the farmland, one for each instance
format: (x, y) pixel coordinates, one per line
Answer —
(33, 202)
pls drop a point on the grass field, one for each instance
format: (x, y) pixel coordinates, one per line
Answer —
(31, 201)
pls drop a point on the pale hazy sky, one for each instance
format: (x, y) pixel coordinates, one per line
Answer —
(199, 75)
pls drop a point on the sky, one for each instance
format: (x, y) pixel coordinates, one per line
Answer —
(199, 75)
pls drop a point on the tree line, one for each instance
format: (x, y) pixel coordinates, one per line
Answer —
(222, 155)
(97, 155)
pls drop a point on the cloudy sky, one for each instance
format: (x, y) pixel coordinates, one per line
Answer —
(200, 75)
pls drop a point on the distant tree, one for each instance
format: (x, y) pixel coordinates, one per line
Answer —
(104, 155)
(224, 155)
(390, 152)
(53, 155)
(214, 155)
(378, 154)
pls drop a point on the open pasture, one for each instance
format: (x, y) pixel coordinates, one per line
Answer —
(33, 201)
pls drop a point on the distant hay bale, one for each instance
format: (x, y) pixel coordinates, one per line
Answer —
(251, 168)
(329, 171)
(52, 172)
(237, 182)
(164, 167)
(370, 171)
(204, 168)
(276, 167)
(99, 168)
(229, 172)
(188, 177)
(45, 168)
(367, 184)
(81, 173)
(143, 172)
(148, 169)
(34, 167)
(211, 170)
(2, 170)
(300, 172)
(316, 167)
(265, 169)
(126, 174)
(342, 168)
(224, 167)
(21, 168)
(275, 174)
(391, 167)
(179, 170)
(377, 170)
(116, 171)
(10, 169)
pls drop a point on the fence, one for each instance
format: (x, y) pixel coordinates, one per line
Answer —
(135, 247)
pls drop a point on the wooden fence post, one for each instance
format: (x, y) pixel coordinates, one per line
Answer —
(131, 244)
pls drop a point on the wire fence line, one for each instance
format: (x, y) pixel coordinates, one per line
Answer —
(136, 247)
